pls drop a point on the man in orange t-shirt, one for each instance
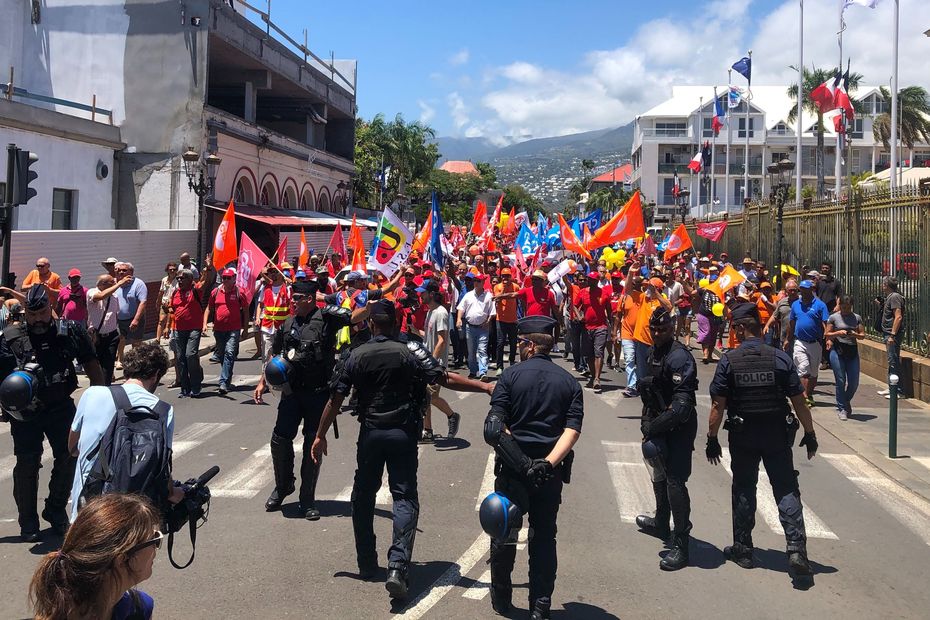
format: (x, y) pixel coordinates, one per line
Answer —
(506, 317)
(642, 339)
(625, 316)
(43, 274)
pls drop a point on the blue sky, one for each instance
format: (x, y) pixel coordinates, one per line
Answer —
(514, 69)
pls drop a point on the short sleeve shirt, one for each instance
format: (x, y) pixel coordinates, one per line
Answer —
(101, 315)
(809, 319)
(226, 308)
(630, 310)
(839, 321)
(892, 303)
(188, 313)
(594, 306)
(437, 321)
(129, 296)
(506, 308)
(73, 303)
(538, 304)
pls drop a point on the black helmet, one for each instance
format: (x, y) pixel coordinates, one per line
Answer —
(36, 298)
(279, 371)
(17, 392)
(499, 516)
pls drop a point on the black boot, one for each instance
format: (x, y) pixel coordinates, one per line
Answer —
(649, 526)
(657, 526)
(740, 554)
(282, 456)
(309, 474)
(26, 494)
(501, 561)
(797, 560)
(397, 583)
(501, 599)
(59, 487)
(677, 558)
(539, 610)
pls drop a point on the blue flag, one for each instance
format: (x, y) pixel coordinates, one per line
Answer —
(435, 244)
(527, 241)
(553, 237)
(542, 226)
(743, 66)
(593, 220)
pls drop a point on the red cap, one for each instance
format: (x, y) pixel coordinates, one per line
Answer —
(616, 274)
(482, 278)
(228, 273)
(594, 275)
(428, 273)
(74, 273)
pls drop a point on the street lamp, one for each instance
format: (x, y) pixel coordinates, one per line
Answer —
(195, 166)
(779, 180)
(683, 203)
(342, 192)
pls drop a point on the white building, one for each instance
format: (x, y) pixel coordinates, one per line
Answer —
(666, 137)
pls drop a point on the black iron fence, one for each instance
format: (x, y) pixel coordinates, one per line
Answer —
(855, 237)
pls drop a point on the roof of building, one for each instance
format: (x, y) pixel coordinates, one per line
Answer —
(619, 174)
(459, 167)
(908, 176)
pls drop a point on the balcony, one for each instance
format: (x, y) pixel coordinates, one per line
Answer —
(671, 168)
(652, 132)
(754, 169)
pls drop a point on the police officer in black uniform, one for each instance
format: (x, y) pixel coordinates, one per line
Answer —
(534, 422)
(669, 426)
(753, 385)
(390, 379)
(39, 356)
(307, 341)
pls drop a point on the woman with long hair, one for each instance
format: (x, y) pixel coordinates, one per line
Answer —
(844, 330)
(107, 551)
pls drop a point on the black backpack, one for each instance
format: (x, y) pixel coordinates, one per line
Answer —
(133, 454)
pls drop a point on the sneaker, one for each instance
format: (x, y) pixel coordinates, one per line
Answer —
(195, 393)
(484, 378)
(223, 388)
(472, 375)
(555, 349)
(184, 394)
(454, 420)
(810, 402)
(634, 393)
(884, 392)
(427, 436)
(841, 415)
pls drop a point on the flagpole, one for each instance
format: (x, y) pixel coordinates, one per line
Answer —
(700, 136)
(746, 157)
(713, 157)
(894, 140)
(800, 127)
(838, 165)
(726, 178)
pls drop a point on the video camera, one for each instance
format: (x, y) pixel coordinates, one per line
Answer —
(411, 298)
(193, 510)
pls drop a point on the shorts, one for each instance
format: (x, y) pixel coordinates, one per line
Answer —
(807, 358)
(433, 390)
(593, 342)
(128, 333)
(684, 311)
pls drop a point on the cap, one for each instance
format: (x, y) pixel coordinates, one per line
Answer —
(431, 287)
(593, 275)
(228, 273)
(470, 276)
(548, 263)
(806, 284)
(409, 271)
(356, 275)
(286, 272)
(483, 277)
(110, 261)
(286, 265)
(322, 271)
(704, 258)
(616, 274)
(428, 273)
(383, 307)
(725, 255)
(36, 298)
(505, 271)
(765, 284)
(657, 282)
(660, 317)
(536, 324)
(539, 273)
(304, 287)
(300, 274)
(813, 273)
(74, 273)
(748, 260)
(744, 311)
(714, 268)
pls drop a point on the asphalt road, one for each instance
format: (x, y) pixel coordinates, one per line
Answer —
(868, 537)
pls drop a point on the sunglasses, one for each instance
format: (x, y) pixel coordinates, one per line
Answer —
(40, 266)
(155, 541)
(524, 341)
(299, 297)
(179, 278)
(169, 269)
(227, 278)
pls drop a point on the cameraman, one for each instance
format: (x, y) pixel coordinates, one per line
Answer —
(38, 399)
(411, 313)
(144, 366)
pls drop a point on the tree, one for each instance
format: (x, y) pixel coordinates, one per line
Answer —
(811, 80)
(913, 111)
(517, 197)
(488, 174)
(601, 199)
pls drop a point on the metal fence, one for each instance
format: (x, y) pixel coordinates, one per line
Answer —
(854, 236)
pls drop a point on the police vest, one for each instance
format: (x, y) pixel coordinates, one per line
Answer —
(55, 352)
(311, 347)
(385, 382)
(277, 307)
(755, 394)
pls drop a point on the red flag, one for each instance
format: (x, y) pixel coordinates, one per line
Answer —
(357, 245)
(678, 242)
(304, 252)
(224, 243)
(729, 278)
(711, 230)
(570, 242)
(585, 235)
(337, 244)
(696, 162)
(510, 226)
(281, 253)
(496, 216)
(480, 220)
(251, 262)
(648, 247)
(824, 96)
(521, 262)
(626, 224)
(422, 238)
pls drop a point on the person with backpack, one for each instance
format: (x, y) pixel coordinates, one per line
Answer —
(188, 326)
(112, 424)
(228, 311)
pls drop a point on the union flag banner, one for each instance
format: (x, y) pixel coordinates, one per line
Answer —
(224, 243)
(626, 224)
(570, 242)
(678, 242)
(727, 280)
(251, 262)
(303, 254)
(711, 230)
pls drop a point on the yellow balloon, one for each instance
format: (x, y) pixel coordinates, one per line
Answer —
(620, 255)
(607, 254)
(717, 309)
(704, 283)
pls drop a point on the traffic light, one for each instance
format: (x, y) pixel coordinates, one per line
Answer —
(23, 176)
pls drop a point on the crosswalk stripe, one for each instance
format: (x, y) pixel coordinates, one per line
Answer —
(630, 477)
(240, 380)
(766, 506)
(907, 507)
(487, 482)
(197, 433)
(248, 478)
(480, 588)
(4, 429)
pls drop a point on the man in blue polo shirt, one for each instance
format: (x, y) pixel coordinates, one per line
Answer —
(808, 322)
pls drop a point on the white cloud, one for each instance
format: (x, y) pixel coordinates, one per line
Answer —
(427, 112)
(459, 58)
(609, 87)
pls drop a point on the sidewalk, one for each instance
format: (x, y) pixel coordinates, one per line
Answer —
(866, 431)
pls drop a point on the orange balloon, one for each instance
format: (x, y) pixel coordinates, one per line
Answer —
(474, 250)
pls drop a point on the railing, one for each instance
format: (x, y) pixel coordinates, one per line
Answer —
(780, 132)
(737, 168)
(10, 91)
(854, 236)
(671, 168)
(653, 132)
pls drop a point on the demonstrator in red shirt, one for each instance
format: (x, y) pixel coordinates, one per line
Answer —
(227, 309)
(594, 303)
(188, 327)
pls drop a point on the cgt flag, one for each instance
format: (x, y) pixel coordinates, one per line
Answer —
(251, 262)
(727, 280)
(393, 244)
(337, 243)
(570, 242)
(303, 253)
(479, 221)
(678, 242)
(224, 243)
(626, 224)
(711, 230)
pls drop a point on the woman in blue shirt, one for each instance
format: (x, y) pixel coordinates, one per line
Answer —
(109, 549)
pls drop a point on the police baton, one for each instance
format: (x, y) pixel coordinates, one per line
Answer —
(336, 427)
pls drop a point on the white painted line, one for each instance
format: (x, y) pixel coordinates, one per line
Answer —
(4, 429)
(923, 460)
(487, 482)
(766, 506)
(344, 495)
(247, 479)
(630, 477)
(522, 537)
(480, 588)
(7, 463)
(194, 435)
(237, 380)
(909, 508)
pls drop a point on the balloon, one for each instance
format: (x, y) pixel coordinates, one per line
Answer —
(572, 266)
(717, 309)
(474, 250)
(704, 283)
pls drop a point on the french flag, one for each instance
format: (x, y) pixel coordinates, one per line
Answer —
(717, 123)
(696, 162)
(824, 96)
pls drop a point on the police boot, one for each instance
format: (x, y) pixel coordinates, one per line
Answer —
(501, 561)
(540, 610)
(657, 526)
(739, 554)
(797, 561)
(397, 583)
(26, 494)
(309, 474)
(677, 558)
(282, 457)
(59, 486)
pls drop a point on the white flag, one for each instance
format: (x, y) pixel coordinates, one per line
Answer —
(866, 3)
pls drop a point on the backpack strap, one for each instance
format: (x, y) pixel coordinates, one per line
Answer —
(120, 398)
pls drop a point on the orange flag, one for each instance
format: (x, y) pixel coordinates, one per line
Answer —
(570, 242)
(585, 235)
(626, 224)
(224, 243)
(303, 252)
(422, 239)
(359, 260)
(727, 280)
(480, 220)
(510, 226)
(678, 242)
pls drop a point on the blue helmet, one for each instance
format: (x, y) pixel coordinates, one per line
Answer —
(499, 516)
(278, 372)
(654, 448)
(17, 392)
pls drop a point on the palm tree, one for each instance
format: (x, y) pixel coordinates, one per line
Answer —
(812, 79)
(913, 110)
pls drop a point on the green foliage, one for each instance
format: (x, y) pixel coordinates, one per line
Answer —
(517, 197)
(913, 112)
(488, 174)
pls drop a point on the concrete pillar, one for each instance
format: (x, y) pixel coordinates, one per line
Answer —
(874, 157)
(251, 101)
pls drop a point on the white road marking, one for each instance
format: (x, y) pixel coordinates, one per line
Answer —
(249, 477)
(909, 508)
(238, 380)
(480, 588)
(522, 537)
(923, 460)
(630, 477)
(194, 435)
(766, 506)
(487, 482)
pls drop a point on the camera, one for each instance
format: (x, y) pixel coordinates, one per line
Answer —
(411, 298)
(192, 510)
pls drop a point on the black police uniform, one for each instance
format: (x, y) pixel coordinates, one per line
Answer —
(536, 400)
(50, 416)
(669, 420)
(389, 378)
(757, 381)
(309, 343)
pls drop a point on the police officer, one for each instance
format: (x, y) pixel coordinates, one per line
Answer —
(753, 385)
(42, 350)
(390, 379)
(534, 421)
(669, 426)
(307, 341)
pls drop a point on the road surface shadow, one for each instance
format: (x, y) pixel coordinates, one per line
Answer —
(445, 444)
(702, 554)
(583, 611)
(862, 417)
(422, 577)
(50, 542)
(776, 560)
(329, 508)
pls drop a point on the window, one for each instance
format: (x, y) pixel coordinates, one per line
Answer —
(243, 192)
(268, 198)
(708, 130)
(741, 133)
(777, 157)
(671, 129)
(63, 203)
(856, 130)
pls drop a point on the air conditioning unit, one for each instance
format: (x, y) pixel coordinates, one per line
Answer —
(791, 149)
(103, 170)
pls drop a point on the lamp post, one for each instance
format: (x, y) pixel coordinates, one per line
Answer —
(342, 193)
(683, 202)
(204, 170)
(779, 180)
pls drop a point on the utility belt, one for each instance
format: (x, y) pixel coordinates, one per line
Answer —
(736, 425)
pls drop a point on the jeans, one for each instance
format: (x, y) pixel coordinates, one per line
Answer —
(477, 349)
(227, 344)
(105, 348)
(641, 355)
(894, 360)
(187, 348)
(629, 361)
(506, 334)
(846, 373)
(458, 342)
(574, 338)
